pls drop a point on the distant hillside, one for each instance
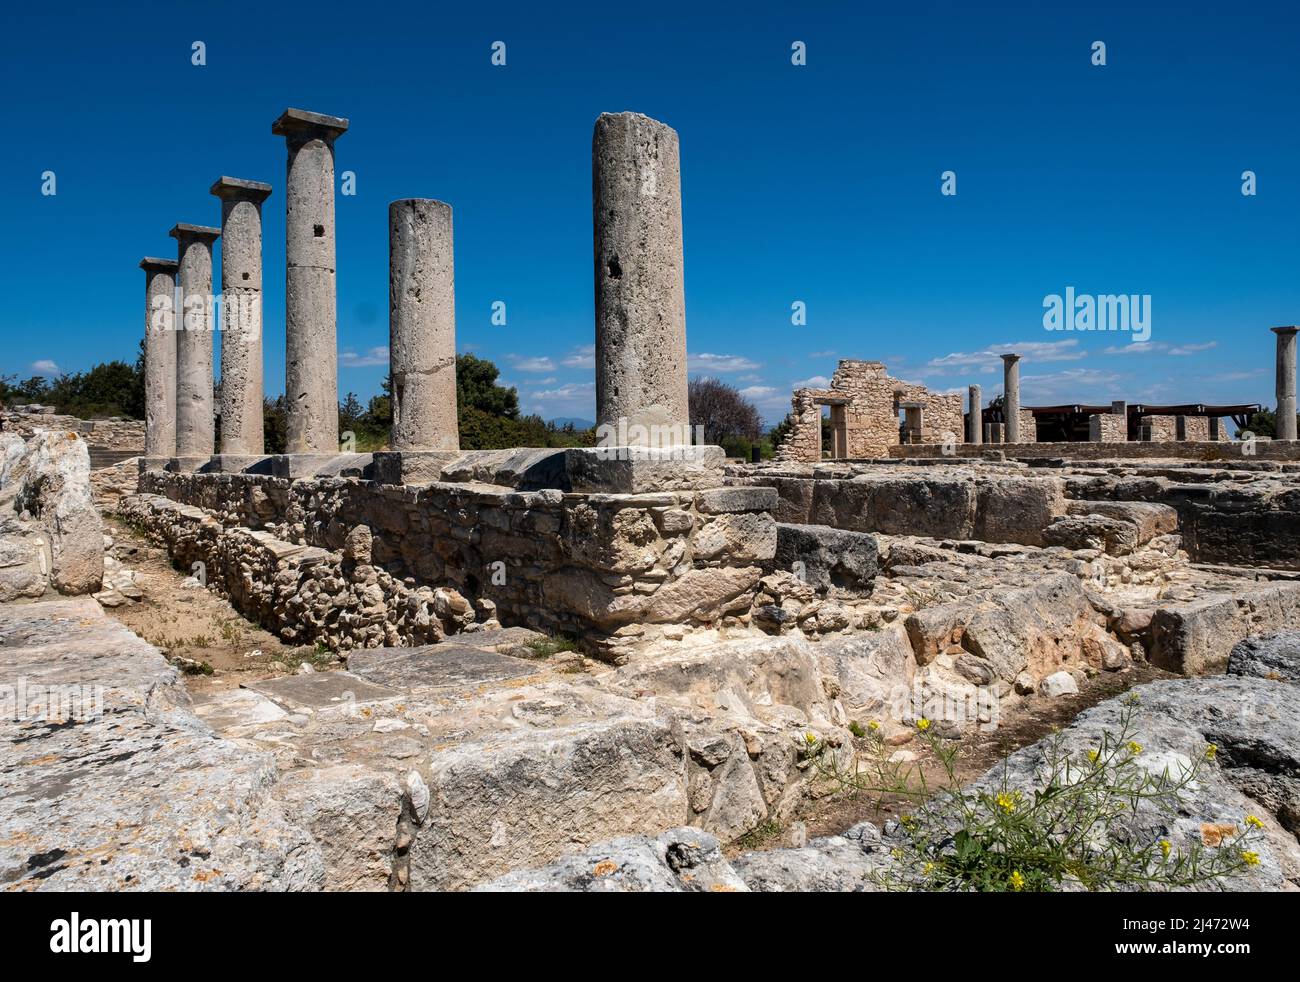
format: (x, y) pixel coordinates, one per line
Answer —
(578, 423)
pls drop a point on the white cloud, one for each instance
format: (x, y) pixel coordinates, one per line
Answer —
(705, 362)
(1136, 348)
(543, 364)
(816, 382)
(1071, 385)
(990, 358)
(1191, 349)
(46, 367)
(373, 356)
(583, 356)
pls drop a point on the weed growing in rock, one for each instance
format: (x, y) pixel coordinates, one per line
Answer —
(1096, 819)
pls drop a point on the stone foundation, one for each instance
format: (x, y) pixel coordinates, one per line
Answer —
(589, 565)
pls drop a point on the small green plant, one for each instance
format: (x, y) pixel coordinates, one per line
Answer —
(1079, 826)
(545, 647)
(766, 830)
(857, 729)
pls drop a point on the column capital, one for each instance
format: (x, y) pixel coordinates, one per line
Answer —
(185, 232)
(309, 124)
(1010, 358)
(236, 189)
(1284, 330)
(152, 264)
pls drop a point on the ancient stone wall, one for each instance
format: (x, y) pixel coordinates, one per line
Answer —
(868, 400)
(1107, 428)
(1163, 429)
(1133, 450)
(601, 566)
(115, 433)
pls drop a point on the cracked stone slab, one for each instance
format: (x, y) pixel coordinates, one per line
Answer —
(437, 665)
(322, 690)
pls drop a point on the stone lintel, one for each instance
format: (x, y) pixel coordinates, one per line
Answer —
(237, 189)
(188, 465)
(183, 231)
(309, 123)
(153, 264)
(300, 466)
(153, 463)
(230, 463)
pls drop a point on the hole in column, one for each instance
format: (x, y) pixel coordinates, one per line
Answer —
(245, 276)
(615, 270)
(319, 230)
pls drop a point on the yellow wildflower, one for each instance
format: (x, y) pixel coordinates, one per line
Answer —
(873, 726)
(810, 738)
(1017, 881)
(1211, 751)
(1250, 858)
(922, 724)
(1094, 755)
(1134, 747)
(1007, 802)
(1254, 822)
(1165, 847)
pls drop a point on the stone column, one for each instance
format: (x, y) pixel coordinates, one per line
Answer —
(311, 313)
(159, 362)
(194, 420)
(1011, 397)
(241, 330)
(1285, 425)
(640, 294)
(974, 421)
(422, 325)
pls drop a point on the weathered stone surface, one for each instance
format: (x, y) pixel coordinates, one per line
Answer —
(832, 559)
(564, 787)
(351, 812)
(1150, 518)
(1110, 535)
(160, 357)
(1270, 656)
(1197, 637)
(1059, 684)
(422, 326)
(681, 859)
(137, 795)
(47, 480)
(241, 308)
(195, 429)
(311, 311)
(640, 296)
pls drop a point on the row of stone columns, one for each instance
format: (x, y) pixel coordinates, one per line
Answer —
(640, 306)
(1010, 405)
(180, 334)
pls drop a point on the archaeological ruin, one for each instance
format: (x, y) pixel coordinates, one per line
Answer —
(620, 667)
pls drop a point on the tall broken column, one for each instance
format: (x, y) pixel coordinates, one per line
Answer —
(1285, 422)
(194, 419)
(640, 293)
(422, 326)
(1011, 396)
(241, 308)
(975, 420)
(159, 362)
(311, 314)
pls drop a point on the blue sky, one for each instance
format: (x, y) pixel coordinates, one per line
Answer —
(817, 183)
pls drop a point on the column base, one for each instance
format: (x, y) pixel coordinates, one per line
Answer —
(239, 463)
(299, 466)
(153, 463)
(411, 466)
(188, 464)
(639, 470)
